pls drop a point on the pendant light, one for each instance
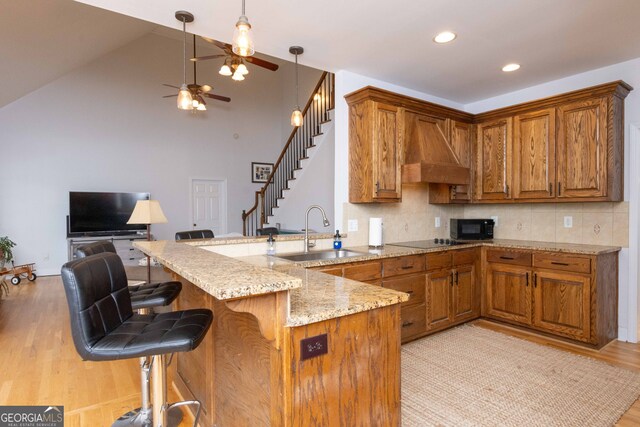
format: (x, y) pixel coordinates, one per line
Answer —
(225, 70)
(185, 100)
(296, 116)
(242, 38)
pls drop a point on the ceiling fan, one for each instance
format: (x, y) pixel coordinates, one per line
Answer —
(198, 92)
(234, 64)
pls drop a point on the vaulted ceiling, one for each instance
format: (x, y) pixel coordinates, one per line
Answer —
(392, 41)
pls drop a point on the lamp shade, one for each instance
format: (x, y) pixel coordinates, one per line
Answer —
(147, 212)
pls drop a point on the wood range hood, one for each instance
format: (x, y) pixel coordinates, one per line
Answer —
(429, 158)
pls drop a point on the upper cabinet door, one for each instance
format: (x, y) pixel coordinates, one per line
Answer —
(534, 167)
(582, 149)
(387, 152)
(461, 143)
(494, 160)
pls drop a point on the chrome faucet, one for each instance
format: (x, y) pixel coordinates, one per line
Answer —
(325, 221)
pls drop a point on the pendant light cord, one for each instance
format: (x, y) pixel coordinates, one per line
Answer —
(297, 91)
(242, 7)
(184, 51)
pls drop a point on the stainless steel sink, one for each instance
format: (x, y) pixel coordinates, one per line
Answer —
(318, 255)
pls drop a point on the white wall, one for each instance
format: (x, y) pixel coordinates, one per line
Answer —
(313, 186)
(105, 127)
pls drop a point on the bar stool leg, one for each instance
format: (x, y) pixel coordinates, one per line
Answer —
(159, 384)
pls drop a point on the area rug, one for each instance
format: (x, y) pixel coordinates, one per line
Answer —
(470, 376)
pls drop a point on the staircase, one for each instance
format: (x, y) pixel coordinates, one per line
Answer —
(315, 113)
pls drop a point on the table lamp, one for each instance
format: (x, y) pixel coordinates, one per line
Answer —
(147, 212)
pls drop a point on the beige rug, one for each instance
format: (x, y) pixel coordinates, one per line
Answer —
(470, 376)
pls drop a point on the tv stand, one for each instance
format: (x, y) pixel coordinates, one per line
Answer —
(123, 243)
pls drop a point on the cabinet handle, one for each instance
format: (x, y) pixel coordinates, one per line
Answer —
(507, 257)
(560, 263)
(409, 292)
(406, 267)
(451, 279)
(550, 189)
(535, 280)
(377, 187)
(507, 190)
(456, 277)
(406, 324)
(559, 188)
(527, 282)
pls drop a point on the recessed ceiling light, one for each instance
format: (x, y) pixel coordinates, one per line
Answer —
(444, 37)
(510, 67)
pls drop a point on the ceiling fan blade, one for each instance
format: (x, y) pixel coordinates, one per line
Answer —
(175, 87)
(221, 45)
(206, 88)
(218, 97)
(207, 57)
(261, 63)
(170, 96)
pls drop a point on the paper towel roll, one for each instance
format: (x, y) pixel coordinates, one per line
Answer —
(375, 232)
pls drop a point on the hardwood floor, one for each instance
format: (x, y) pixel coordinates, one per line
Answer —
(39, 364)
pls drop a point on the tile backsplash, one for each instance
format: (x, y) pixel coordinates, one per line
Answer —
(414, 219)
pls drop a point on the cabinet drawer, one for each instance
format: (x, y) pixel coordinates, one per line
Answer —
(563, 262)
(403, 265)
(438, 260)
(464, 257)
(509, 257)
(363, 271)
(412, 320)
(413, 285)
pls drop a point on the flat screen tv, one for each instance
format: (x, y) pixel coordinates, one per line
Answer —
(102, 213)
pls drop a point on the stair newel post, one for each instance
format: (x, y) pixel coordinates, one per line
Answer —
(262, 207)
(244, 223)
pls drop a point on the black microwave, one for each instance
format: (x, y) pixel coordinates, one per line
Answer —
(472, 229)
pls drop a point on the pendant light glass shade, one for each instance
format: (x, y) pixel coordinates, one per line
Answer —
(296, 118)
(185, 100)
(225, 70)
(242, 37)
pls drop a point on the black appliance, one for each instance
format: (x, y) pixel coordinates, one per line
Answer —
(472, 229)
(96, 214)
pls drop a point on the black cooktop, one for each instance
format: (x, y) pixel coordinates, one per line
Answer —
(432, 243)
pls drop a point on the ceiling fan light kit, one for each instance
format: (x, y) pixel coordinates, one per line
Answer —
(242, 37)
(296, 117)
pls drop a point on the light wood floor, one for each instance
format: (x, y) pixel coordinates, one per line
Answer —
(39, 364)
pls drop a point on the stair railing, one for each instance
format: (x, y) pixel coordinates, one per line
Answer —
(315, 113)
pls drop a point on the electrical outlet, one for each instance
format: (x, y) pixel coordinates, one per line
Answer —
(352, 225)
(313, 347)
(568, 222)
(46, 257)
(495, 220)
(437, 222)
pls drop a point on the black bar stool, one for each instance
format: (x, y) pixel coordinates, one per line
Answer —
(144, 298)
(104, 327)
(194, 234)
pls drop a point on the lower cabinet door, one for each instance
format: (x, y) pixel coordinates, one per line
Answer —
(465, 301)
(508, 293)
(438, 297)
(562, 304)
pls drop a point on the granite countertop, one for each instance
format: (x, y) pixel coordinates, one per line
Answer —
(323, 296)
(390, 251)
(220, 276)
(216, 241)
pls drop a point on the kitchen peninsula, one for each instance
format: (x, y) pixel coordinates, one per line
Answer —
(254, 367)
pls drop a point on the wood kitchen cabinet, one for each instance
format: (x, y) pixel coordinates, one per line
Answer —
(375, 152)
(493, 171)
(452, 293)
(571, 296)
(534, 146)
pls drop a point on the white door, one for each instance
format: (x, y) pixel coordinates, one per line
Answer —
(209, 205)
